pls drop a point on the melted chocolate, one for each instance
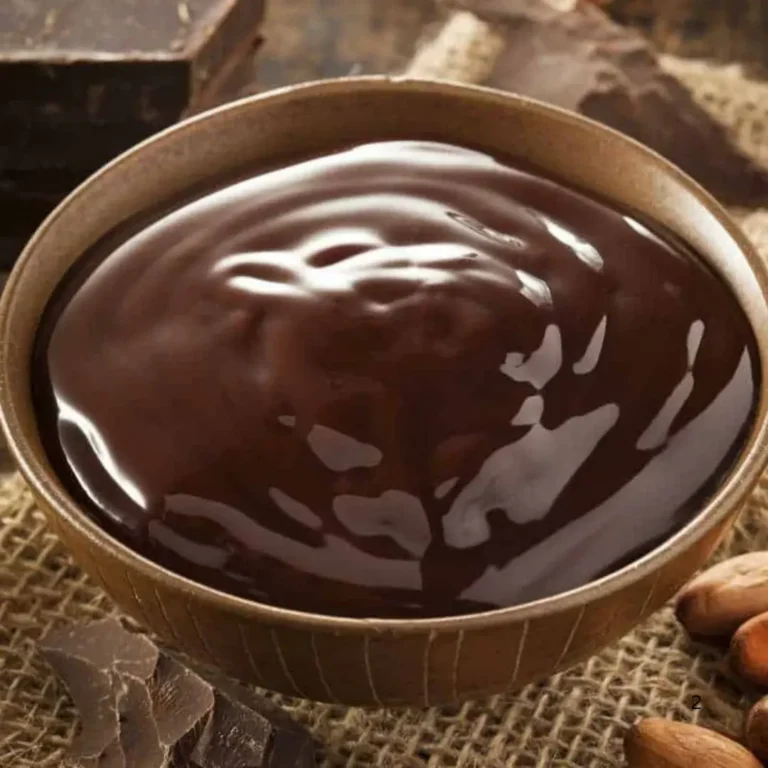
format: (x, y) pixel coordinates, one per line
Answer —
(404, 379)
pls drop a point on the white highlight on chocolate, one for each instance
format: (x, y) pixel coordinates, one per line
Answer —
(657, 432)
(541, 365)
(576, 543)
(341, 452)
(445, 487)
(335, 559)
(68, 414)
(641, 229)
(202, 554)
(589, 361)
(395, 514)
(525, 478)
(581, 248)
(530, 412)
(301, 513)
(534, 289)
(695, 335)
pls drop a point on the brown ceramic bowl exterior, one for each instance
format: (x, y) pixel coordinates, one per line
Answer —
(375, 662)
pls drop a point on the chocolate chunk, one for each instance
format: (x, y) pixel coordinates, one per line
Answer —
(94, 696)
(139, 706)
(265, 735)
(87, 658)
(233, 735)
(136, 62)
(583, 61)
(83, 81)
(107, 646)
(112, 757)
(292, 745)
(139, 737)
(180, 698)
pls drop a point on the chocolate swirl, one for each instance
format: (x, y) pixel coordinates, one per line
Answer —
(403, 379)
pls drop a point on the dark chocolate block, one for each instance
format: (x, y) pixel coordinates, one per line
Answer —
(83, 81)
(65, 142)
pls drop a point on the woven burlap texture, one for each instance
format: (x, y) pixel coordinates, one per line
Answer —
(576, 718)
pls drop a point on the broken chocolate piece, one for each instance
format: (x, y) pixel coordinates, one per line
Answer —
(139, 706)
(93, 693)
(234, 735)
(583, 61)
(265, 735)
(83, 81)
(87, 659)
(291, 744)
(139, 739)
(180, 698)
(136, 62)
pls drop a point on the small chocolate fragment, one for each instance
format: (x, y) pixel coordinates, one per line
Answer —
(231, 736)
(585, 62)
(139, 706)
(291, 744)
(139, 739)
(246, 730)
(94, 696)
(180, 698)
(88, 658)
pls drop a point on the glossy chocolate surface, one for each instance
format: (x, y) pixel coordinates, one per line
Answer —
(405, 379)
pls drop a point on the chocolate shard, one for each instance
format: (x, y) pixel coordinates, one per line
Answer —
(244, 730)
(292, 745)
(82, 81)
(140, 706)
(585, 62)
(85, 658)
(112, 757)
(232, 736)
(94, 695)
(105, 645)
(139, 738)
(180, 700)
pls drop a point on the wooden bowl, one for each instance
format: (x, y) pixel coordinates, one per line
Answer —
(353, 661)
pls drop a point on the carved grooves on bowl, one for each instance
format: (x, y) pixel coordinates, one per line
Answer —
(371, 666)
(320, 672)
(199, 635)
(571, 636)
(275, 637)
(166, 618)
(647, 602)
(456, 661)
(253, 668)
(143, 617)
(425, 674)
(369, 671)
(519, 653)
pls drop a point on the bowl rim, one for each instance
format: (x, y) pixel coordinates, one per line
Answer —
(751, 460)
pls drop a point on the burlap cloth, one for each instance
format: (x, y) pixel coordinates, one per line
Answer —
(573, 719)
